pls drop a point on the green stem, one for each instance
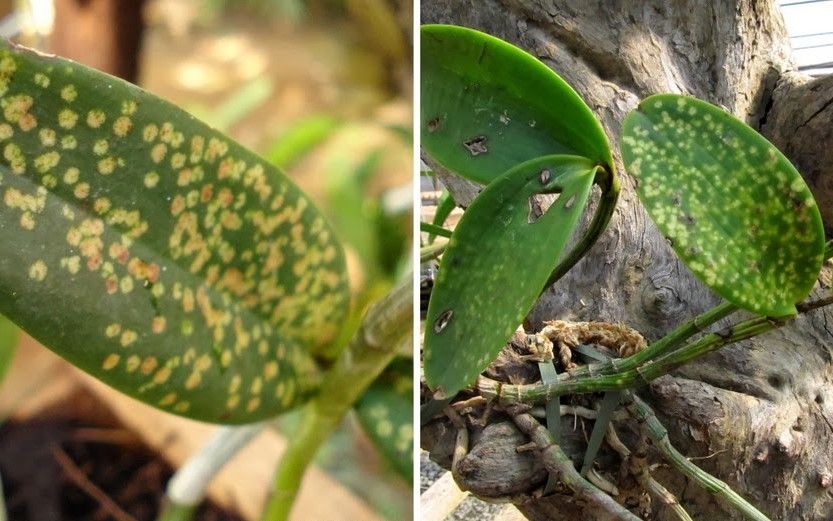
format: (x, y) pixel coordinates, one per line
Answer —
(3, 513)
(662, 346)
(433, 229)
(177, 512)
(431, 252)
(592, 382)
(659, 436)
(609, 183)
(386, 326)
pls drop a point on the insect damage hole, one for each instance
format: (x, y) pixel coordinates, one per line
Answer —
(476, 145)
(539, 204)
(442, 321)
(434, 124)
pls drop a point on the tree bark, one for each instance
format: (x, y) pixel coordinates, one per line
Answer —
(758, 414)
(104, 34)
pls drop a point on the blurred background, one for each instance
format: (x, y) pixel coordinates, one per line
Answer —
(322, 89)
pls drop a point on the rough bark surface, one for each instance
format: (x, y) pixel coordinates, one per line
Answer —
(758, 413)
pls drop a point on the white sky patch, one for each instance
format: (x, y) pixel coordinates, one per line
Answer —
(810, 26)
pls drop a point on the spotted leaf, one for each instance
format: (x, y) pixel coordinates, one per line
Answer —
(734, 208)
(153, 252)
(487, 106)
(496, 263)
(385, 412)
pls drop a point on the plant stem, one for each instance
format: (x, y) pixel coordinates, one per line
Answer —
(177, 512)
(433, 229)
(3, 513)
(557, 463)
(609, 183)
(431, 252)
(590, 381)
(386, 326)
(659, 435)
(186, 489)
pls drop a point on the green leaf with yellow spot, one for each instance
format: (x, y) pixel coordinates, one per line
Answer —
(487, 106)
(155, 253)
(385, 412)
(496, 264)
(732, 206)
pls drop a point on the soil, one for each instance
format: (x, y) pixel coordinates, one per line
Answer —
(74, 461)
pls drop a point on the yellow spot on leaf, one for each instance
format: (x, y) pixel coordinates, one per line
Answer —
(37, 271)
(27, 122)
(82, 190)
(162, 375)
(95, 118)
(100, 147)
(133, 363)
(158, 325)
(182, 406)
(48, 137)
(17, 160)
(69, 93)
(270, 370)
(151, 179)
(253, 404)
(67, 119)
(106, 166)
(112, 330)
(193, 381)
(45, 162)
(128, 337)
(122, 126)
(110, 362)
(71, 175)
(167, 400)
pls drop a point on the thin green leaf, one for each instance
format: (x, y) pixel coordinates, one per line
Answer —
(155, 253)
(9, 335)
(445, 206)
(299, 139)
(734, 208)
(496, 264)
(487, 106)
(385, 412)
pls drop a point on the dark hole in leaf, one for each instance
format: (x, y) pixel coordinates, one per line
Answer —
(433, 124)
(476, 145)
(443, 320)
(688, 220)
(536, 209)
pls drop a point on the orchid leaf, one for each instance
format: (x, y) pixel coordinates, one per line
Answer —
(487, 106)
(734, 208)
(155, 253)
(496, 264)
(385, 412)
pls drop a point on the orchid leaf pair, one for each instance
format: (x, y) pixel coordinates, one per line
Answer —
(733, 208)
